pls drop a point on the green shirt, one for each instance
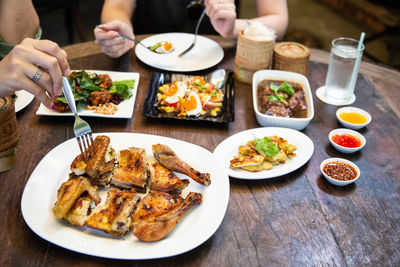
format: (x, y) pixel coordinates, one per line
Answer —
(5, 48)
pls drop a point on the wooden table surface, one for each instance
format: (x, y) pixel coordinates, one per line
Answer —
(297, 219)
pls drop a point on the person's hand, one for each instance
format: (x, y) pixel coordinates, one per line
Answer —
(222, 15)
(36, 66)
(108, 40)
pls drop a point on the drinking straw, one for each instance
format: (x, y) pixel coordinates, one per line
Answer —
(357, 63)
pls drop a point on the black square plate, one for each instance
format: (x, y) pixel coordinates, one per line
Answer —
(157, 79)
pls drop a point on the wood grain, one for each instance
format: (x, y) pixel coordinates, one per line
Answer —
(298, 219)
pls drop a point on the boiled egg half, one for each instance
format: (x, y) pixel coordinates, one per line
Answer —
(193, 104)
(175, 91)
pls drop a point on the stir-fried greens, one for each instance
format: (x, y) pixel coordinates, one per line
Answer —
(95, 89)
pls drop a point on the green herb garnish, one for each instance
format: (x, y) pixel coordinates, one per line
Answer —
(284, 87)
(154, 47)
(200, 86)
(266, 146)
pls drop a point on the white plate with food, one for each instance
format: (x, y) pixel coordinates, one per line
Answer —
(205, 54)
(197, 225)
(123, 109)
(23, 99)
(228, 149)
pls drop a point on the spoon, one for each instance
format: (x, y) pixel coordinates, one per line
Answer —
(152, 48)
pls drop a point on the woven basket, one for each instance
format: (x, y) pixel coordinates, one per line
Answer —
(291, 56)
(8, 133)
(252, 55)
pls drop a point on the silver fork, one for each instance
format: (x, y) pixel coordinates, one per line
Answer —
(195, 34)
(82, 130)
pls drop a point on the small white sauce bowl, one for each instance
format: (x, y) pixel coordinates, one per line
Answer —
(343, 149)
(349, 125)
(339, 182)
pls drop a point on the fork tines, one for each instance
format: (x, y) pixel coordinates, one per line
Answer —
(86, 145)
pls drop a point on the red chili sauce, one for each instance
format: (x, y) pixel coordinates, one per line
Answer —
(340, 171)
(346, 140)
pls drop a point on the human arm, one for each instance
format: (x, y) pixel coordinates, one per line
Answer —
(116, 19)
(21, 64)
(18, 20)
(271, 13)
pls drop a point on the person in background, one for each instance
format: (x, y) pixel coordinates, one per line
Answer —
(36, 66)
(154, 16)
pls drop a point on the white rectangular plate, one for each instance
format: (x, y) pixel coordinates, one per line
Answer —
(125, 108)
(196, 226)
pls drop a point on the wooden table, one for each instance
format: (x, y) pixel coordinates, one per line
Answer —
(297, 219)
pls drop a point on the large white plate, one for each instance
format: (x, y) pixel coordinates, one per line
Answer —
(225, 151)
(196, 227)
(205, 54)
(23, 100)
(125, 108)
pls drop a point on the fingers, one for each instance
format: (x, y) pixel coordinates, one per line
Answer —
(48, 63)
(38, 91)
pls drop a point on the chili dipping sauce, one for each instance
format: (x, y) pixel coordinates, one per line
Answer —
(347, 140)
(340, 171)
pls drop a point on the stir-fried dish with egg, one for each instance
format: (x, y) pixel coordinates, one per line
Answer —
(162, 47)
(191, 97)
(97, 91)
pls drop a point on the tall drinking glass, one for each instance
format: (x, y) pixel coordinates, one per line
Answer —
(342, 72)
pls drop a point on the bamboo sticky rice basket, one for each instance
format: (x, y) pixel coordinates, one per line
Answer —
(291, 56)
(252, 55)
(8, 133)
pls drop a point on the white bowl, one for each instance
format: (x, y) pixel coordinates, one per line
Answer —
(343, 149)
(267, 120)
(353, 126)
(335, 181)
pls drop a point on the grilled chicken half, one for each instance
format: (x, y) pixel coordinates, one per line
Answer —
(70, 191)
(98, 165)
(114, 217)
(158, 213)
(162, 179)
(132, 169)
(166, 157)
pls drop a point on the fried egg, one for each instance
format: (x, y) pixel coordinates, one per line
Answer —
(176, 90)
(193, 104)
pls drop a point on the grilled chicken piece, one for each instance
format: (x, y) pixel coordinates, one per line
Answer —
(162, 179)
(99, 164)
(80, 210)
(114, 217)
(132, 169)
(166, 157)
(156, 203)
(70, 191)
(155, 224)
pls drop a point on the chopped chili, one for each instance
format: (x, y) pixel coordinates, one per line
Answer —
(340, 171)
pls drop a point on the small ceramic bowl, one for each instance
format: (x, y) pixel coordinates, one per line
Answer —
(344, 149)
(354, 126)
(280, 75)
(335, 181)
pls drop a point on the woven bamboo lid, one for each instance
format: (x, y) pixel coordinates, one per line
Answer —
(291, 56)
(8, 133)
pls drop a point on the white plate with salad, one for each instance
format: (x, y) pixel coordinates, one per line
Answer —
(228, 148)
(205, 54)
(124, 84)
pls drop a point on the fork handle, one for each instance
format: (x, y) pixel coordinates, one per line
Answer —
(66, 88)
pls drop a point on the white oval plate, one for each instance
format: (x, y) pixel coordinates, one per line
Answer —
(205, 54)
(228, 148)
(24, 98)
(196, 226)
